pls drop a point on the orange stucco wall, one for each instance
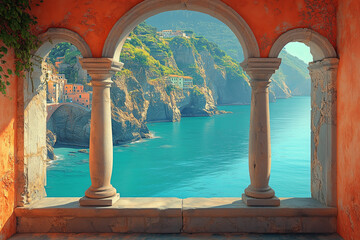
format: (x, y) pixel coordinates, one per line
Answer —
(7, 156)
(93, 20)
(349, 119)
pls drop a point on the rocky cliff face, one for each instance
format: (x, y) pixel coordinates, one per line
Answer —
(50, 142)
(292, 79)
(140, 93)
(172, 105)
(163, 106)
(226, 87)
(71, 124)
(129, 110)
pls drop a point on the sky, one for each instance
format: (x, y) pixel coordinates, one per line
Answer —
(299, 50)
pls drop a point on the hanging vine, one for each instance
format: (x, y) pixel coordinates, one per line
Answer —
(15, 33)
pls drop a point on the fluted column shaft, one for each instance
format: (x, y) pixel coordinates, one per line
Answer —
(260, 70)
(101, 144)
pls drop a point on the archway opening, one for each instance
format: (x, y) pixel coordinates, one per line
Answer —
(33, 120)
(142, 95)
(290, 119)
(323, 73)
(69, 97)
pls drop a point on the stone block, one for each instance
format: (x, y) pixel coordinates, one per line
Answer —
(174, 215)
(270, 202)
(85, 201)
(65, 215)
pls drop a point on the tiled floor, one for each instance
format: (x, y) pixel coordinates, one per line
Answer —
(113, 236)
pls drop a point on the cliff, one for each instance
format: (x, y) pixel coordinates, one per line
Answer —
(50, 142)
(292, 78)
(71, 123)
(140, 93)
(151, 58)
(129, 110)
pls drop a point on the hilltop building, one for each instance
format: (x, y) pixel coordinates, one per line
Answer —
(55, 83)
(58, 90)
(172, 33)
(183, 82)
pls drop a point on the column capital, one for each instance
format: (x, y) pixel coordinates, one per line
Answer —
(260, 69)
(100, 69)
(324, 65)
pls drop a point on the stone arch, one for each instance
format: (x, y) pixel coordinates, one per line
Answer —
(148, 8)
(320, 46)
(54, 36)
(32, 118)
(323, 73)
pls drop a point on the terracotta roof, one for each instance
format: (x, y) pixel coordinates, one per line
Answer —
(186, 77)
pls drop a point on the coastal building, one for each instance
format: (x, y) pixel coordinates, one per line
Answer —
(75, 93)
(55, 83)
(73, 88)
(183, 82)
(81, 98)
(171, 33)
(187, 82)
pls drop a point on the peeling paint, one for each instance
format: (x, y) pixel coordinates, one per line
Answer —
(323, 122)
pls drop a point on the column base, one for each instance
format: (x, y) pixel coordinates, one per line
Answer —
(109, 201)
(265, 202)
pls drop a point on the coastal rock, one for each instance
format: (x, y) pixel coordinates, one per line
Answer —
(225, 86)
(201, 104)
(129, 110)
(71, 125)
(50, 142)
(163, 105)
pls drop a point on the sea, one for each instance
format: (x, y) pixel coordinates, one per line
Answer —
(198, 157)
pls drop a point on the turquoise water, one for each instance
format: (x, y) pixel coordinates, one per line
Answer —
(199, 157)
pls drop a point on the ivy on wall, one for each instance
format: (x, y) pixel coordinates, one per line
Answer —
(15, 33)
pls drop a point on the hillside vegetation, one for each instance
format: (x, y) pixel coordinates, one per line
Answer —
(141, 94)
(293, 71)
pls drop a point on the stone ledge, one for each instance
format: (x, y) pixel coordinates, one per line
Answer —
(174, 215)
(235, 207)
(129, 207)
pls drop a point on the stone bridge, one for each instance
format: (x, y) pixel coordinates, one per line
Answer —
(52, 107)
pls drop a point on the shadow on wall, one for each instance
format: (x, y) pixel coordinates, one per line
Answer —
(7, 154)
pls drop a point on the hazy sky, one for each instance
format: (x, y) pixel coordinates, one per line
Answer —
(299, 50)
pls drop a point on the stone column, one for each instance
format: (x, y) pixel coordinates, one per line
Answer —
(101, 192)
(259, 193)
(323, 130)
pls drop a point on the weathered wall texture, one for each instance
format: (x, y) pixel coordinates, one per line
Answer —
(268, 19)
(31, 139)
(323, 126)
(349, 119)
(7, 156)
(93, 20)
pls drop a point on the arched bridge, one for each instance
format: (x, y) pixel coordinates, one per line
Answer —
(52, 107)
